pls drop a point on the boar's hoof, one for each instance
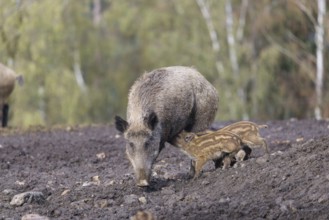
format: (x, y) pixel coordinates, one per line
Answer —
(142, 183)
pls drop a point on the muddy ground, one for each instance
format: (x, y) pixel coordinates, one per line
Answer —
(82, 173)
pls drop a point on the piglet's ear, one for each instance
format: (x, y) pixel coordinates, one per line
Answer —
(189, 137)
(120, 124)
(152, 120)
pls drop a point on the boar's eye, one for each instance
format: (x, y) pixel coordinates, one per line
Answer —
(147, 144)
(131, 146)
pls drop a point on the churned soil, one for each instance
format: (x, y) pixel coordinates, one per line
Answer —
(82, 173)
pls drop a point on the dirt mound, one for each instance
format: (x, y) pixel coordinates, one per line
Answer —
(82, 173)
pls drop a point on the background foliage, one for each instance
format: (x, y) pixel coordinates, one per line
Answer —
(79, 62)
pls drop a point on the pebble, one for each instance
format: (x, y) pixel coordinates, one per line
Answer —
(277, 153)
(65, 192)
(143, 215)
(20, 183)
(261, 160)
(224, 200)
(324, 198)
(142, 200)
(101, 156)
(205, 182)
(8, 191)
(101, 203)
(28, 197)
(34, 217)
(94, 181)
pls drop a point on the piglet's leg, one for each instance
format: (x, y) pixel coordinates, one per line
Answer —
(226, 162)
(199, 163)
(218, 162)
(192, 168)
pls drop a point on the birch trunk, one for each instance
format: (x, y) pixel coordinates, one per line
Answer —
(319, 57)
(212, 33)
(233, 57)
(78, 72)
(96, 12)
(242, 20)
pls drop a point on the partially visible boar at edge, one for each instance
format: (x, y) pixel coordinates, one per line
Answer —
(7, 84)
(161, 104)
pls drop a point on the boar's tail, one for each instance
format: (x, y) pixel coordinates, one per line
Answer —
(20, 80)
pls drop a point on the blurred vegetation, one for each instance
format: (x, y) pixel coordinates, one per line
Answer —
(79, 58)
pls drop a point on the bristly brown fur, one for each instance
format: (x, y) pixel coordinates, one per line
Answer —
(162, 103)
(210, 146)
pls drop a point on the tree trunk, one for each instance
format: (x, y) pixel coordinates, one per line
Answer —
(233, 57)
(212, 33)
(319, 57)
(78, 72)
(96, 12)
(242, 20)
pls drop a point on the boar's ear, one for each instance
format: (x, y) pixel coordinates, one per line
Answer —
(152, 120)
(189, 137)
(120, 124)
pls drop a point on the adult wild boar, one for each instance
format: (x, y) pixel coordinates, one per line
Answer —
(161, 104)
(7, 84)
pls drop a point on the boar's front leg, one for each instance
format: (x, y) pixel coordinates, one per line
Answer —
(5, 110)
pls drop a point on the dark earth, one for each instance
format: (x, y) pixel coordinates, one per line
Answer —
(82, 173)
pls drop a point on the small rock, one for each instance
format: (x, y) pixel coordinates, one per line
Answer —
(299, 139)
(55, 213)
(142, 200)
(1, 146)
(81, 204)
(101, 203)
(101, 156)
(143, 215)
(20, 183)
(277, 153)
(129, 199)
(65, 192)
(224, 200)
(109, 183)
(8, 191)
(324, 198)
(261, 160)
(205, 182)
(94, 181)
(117, 136)
(34, 217)
(28, 197)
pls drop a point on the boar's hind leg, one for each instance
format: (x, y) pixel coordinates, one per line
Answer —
(5, 110)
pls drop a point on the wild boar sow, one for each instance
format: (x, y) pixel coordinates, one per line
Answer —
(161, 104)
(7, 84)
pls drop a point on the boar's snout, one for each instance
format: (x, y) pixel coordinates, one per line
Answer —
(142, 178)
